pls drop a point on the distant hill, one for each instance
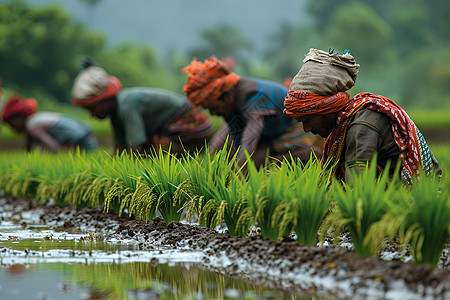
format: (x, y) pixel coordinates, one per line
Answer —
(175, 24)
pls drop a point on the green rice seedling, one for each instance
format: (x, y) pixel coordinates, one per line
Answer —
(7, 162)
(428, 218)
(59, 167)
(362, 203)
(24, 174)
(442, 154)
(92, 183)
(74, 186)
(126, 174)
(169, 183)
(269, 196)
(233, 206)
(420, 218)
(311, 203)
(205, 172)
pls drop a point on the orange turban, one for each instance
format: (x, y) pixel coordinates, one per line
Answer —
(208, 81)
(15, 106)
(300, 103)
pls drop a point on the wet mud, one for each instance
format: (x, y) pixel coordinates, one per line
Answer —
(333, 272)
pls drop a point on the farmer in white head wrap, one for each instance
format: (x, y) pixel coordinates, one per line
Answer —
(142, 118)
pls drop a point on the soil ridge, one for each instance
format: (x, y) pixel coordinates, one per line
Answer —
(332, 272)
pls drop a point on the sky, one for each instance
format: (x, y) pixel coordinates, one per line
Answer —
(175, 24)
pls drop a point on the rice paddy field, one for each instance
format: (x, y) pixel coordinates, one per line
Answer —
(85, 225)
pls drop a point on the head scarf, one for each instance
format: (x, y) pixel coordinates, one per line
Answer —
(319, 87)
(300, 103)
(208, 81)
(16, 106)
(326, 73)
(92, 85)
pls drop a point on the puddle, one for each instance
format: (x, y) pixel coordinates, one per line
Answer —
(136, 280)
(39, 262)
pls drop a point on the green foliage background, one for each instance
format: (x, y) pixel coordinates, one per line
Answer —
(403, 47)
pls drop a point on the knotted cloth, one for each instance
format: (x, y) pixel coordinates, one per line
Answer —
(324, 74)
(208, 81)
(16, 106)
(92, 85)
(300, 103)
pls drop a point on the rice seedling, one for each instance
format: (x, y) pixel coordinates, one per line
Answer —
(425, 212)
(311, 203)
(123, 169)
(205, 172)
(233, 206)
(169, 184)
(269, 196)
(93, 183)
(362, 203)
(23, 175)
(54, 181)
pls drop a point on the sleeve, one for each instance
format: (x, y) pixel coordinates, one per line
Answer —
(251, 135)
(134, 128)
(364, 138)
(118, 134)
(219, 138)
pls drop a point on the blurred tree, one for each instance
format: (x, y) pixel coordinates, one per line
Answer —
(322, 10)
(365, 33)
(40, 48)
(420, 24)
(369, 38)
(426, 79)
(410, 27)
(287, 47)
(221, 41)
(135, 65)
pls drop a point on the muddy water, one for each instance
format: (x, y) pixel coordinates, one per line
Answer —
(38, 262)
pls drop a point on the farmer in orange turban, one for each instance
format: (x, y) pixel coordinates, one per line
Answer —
(252, 109)
(355, 128)
(142, 118)
(52, 131)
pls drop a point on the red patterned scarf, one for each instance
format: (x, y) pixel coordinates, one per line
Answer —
(404, 130)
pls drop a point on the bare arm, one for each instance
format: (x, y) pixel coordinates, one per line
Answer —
(250, 136)
(219, 139)
(46, 139)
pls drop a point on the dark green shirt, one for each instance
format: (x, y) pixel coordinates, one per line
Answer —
(142, 112)
(370, 132)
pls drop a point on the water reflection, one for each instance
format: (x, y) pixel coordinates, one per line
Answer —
(39, 262)
(137, 280)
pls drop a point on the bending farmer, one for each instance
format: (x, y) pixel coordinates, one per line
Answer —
(142, 118)
(356, 128)
(49, 130)
(252, 109)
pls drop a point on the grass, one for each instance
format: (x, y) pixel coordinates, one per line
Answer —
(311, 203)
(362, 203)
(431, 119)
(424, 216)
(269, 196)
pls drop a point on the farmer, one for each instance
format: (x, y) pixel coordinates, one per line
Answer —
(49, 130)
(142, 118)
(253, 111)
(355, 128)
